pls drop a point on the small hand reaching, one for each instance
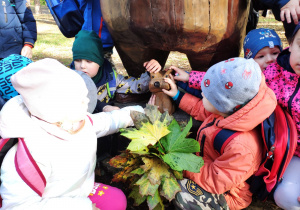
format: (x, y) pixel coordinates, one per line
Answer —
(290, 11)
(109, 108)
(94, 207)
(180, 75)
(173, 88)
(152, 66)
(27, 52)
(152, 99)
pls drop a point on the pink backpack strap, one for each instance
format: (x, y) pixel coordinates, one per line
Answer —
(90, 119)
(28, 170)
(3, 142)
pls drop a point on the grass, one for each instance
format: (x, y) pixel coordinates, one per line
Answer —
(50, 42)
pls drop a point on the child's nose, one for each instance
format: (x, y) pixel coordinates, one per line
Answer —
(83, 64)
(270, 59)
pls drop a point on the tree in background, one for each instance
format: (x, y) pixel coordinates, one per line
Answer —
(37, 7)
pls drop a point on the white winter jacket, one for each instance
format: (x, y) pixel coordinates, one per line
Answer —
(67, 161)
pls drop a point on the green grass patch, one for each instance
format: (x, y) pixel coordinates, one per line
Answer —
(50, 41)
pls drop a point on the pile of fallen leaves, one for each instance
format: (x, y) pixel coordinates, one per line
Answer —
(158, 153)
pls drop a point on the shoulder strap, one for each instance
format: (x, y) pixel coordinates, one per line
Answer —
(26, 166)
(90, 120)
(28, 170)
(111, 85)
(222, 137)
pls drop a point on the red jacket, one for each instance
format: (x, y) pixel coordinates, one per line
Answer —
(243, 154)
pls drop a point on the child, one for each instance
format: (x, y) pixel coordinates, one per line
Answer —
(283, 78)
(263, 45)
(88, 57)
(14, 63)
(235, 97)
(50, 115)
(9, 66)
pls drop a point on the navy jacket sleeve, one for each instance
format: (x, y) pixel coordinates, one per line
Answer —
(184, 86)
(27, 21)
(275, 5)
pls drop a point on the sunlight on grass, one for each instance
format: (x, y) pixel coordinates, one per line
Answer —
(50, 42)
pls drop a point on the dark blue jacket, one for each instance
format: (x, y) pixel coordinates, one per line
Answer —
(17, 27)
(275, 5)
(93, 21)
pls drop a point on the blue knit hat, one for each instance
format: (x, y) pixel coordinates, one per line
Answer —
(296, 29)
(8, 67)
(259, 38)
(231, 84)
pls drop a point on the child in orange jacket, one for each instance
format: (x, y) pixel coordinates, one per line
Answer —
(235, 97)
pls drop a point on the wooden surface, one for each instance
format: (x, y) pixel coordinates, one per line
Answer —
(206, 31)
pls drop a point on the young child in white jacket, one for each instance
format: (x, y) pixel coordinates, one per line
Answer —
(51, 118)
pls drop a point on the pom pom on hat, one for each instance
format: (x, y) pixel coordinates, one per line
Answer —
(259, 38)
(9, 66)
(230, 84)
(51, 91)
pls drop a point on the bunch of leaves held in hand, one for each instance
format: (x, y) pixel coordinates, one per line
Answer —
(156, 156)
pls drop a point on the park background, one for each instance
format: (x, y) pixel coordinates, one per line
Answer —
(52, 44)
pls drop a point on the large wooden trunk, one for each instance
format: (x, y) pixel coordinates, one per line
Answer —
(207, 31)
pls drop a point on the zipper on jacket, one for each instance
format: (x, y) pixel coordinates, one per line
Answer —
(204, 137)
(292, 97)
(4, 10)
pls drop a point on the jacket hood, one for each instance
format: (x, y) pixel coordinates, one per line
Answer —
(283, 60)
(15, 119)
(253, 113)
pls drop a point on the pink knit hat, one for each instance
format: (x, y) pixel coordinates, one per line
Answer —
(50, 90)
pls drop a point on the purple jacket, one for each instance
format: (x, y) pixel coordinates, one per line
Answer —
(282, 79)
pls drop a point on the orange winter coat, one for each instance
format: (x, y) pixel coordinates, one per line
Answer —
(227, 173)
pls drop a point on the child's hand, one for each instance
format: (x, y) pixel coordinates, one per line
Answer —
(152, 66)
(109, 108)
(289, 11)
(180, 75)
(173, 91)
(152, 99)
(94, 207)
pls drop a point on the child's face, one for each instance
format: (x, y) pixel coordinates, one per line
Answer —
(89, 67)
(295, 53)
(266, 56)
(209, 107)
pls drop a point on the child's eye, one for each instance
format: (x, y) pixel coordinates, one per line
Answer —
(275, 53)
(77, 60)
(261, 56)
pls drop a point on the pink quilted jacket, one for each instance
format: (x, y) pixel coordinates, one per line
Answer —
(286, 85)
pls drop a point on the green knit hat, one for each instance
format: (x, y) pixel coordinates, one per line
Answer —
(88, 46)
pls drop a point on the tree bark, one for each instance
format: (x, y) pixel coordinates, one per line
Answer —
(37, 7)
